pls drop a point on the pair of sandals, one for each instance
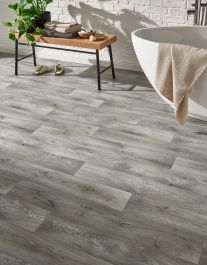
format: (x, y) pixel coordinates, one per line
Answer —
(43, 69)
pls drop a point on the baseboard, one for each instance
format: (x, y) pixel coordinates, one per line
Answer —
(10, 49)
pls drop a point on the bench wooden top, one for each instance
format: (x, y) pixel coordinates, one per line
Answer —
(77, 42)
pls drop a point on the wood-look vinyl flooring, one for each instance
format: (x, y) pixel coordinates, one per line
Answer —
(97, 178)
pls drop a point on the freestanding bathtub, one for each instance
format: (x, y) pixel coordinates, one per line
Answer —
(146, 42)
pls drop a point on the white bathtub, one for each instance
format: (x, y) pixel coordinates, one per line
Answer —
(146, 42)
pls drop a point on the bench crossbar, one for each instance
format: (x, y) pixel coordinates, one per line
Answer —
(99, 72)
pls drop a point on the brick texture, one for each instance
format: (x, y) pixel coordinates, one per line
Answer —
(121, 17)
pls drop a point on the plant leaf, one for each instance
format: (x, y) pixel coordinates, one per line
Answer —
(14, 6)
(21, 33)
(31, 38)
(12, 36)
(22, 3)
(8, 24)
(48, 1)
(38, 31)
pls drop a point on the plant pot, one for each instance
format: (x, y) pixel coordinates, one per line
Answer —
(40, 21)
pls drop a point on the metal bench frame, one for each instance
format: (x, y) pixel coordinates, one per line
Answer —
(99, 71)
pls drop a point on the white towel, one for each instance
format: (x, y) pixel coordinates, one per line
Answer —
(54, 24)
(178, 68)
(70, 29)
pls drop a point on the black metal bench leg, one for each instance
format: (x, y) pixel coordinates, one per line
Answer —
(16, 56)
(98, 69)
(34, 55)
(112, 62)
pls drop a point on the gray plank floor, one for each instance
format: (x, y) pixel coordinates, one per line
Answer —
(97, 178)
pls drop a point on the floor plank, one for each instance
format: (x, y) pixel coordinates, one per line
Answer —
(203, 258)
(97, 178)
(21, 213)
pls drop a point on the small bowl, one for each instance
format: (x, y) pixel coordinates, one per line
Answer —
(86, 35)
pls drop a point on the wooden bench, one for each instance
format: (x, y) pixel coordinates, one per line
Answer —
(76, 43)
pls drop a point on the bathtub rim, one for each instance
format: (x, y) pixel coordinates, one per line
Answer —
(133, 33)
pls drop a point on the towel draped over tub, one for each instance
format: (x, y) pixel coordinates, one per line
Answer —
(178, 68)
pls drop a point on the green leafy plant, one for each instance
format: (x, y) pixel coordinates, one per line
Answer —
(26, 12)
(39, 5)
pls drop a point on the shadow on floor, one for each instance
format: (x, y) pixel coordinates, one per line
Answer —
(87, 72)
(136, 78)
(6, 55)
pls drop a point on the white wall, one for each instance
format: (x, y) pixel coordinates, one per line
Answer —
(5, 15)
(118, 17)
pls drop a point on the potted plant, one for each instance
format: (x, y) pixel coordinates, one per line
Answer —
(31, 15)
(39, 7)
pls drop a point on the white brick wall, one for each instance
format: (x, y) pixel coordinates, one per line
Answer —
(119, 17)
